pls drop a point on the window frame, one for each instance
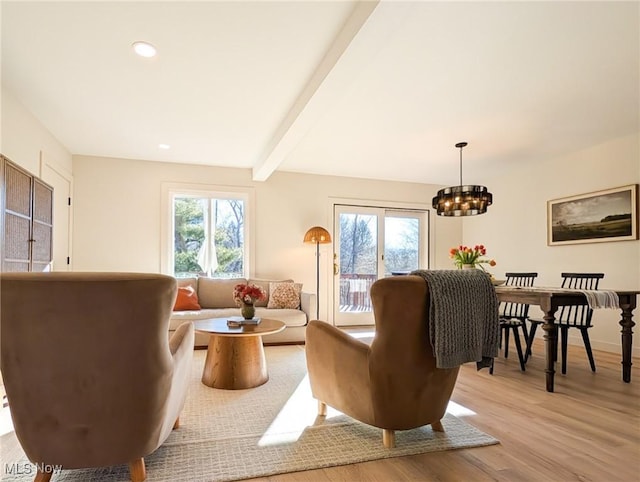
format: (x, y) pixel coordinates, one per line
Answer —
(172, 190)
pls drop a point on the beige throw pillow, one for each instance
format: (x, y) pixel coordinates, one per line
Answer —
(284, 295)
(264, 284)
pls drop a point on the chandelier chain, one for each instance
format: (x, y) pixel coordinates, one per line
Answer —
(461, 147)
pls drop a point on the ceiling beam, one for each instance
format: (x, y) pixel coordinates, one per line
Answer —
(365, 32)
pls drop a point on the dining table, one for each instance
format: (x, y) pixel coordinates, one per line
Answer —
(550, 299)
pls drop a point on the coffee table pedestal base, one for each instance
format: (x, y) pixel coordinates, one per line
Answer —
(235, 363)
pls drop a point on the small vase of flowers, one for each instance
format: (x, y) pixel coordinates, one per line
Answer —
(466, 257)
(245, 296)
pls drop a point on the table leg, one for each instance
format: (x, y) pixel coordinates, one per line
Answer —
(551, 342)
(628, 304)
(235, 362)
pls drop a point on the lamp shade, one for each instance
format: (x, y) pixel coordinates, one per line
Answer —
(317, 235)
(462, 200)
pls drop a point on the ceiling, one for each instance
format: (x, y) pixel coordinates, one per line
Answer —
(380, 90)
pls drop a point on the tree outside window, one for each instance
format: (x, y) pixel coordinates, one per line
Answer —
(208, 237)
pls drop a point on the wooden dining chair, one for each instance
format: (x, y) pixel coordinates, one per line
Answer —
(572, 316)
(513, 317)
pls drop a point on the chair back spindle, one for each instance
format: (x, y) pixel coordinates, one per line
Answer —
(518, 311)
(578, 315)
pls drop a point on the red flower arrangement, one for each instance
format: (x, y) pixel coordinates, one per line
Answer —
(464, 255)
(248, 294)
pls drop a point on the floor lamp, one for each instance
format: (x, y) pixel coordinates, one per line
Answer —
(317, 235)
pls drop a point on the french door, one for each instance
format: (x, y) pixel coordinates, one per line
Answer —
(371, 243)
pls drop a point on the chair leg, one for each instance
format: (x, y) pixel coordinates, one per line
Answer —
(525, 334)
(388, 438)
(42, 476)
(437, 426)
(493, 360)
(322, 409)
(516, 339)
(137, 470)
(525, 331)
(506, 341)
(530, 338)
(564, 334)
(176, 424)
(587, 346)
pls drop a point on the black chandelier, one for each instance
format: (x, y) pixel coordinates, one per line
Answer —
(462, 200)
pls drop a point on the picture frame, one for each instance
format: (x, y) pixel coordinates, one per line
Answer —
(595, 217)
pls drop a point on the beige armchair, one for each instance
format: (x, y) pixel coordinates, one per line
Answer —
(393, 383)
(91, 377)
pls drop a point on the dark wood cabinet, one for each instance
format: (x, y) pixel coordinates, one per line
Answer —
(26, 214)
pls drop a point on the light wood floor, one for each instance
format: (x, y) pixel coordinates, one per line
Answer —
(588, 430)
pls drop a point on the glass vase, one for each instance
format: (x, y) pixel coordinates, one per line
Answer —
(247, 310)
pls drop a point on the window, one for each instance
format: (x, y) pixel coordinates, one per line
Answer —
(208, 234)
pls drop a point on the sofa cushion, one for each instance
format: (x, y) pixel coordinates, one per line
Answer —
(264, 284)
(187, 299)
(217, 293)
(183, 282)
(288, 317)
(284, 295)
(179, 317)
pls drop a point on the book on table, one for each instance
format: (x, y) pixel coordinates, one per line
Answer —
(239, 321)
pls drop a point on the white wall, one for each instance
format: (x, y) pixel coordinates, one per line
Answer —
(24, 137)
(514, 229)
(117, 216)
(29, 144)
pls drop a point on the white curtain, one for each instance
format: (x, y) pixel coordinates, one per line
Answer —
(207, 257)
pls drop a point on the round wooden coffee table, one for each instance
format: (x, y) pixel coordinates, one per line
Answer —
(235, 356)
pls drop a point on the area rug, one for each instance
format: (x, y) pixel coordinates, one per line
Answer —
(231, 435)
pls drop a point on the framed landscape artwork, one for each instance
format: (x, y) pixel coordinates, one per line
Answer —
(609, 215)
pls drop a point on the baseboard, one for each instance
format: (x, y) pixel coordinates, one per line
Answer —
(604, 345)
(278, 343)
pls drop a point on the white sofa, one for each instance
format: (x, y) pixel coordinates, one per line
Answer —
(215, 296)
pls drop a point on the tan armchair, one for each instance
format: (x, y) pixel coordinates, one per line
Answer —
(393, 383)
(91, 377)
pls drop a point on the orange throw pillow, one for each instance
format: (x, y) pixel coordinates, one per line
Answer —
(187, 299)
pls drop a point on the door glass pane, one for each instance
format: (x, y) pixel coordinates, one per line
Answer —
(358, 260)
(401, 245)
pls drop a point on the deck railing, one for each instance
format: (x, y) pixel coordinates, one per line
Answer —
(355, 291)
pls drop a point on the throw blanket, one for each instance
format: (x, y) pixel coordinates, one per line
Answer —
(596, 299)
(464, 317)
(602, 299)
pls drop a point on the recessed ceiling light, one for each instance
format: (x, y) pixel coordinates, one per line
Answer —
(163, 146)
(144, 49)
